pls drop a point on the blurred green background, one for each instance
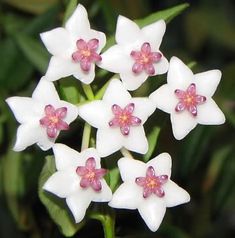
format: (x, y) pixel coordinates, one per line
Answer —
(203, 163)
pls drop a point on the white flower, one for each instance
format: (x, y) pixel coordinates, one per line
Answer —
(41, 117)
(148, 188)
(136, 54)
(78, 179)
(187, 97)
(119, 119)
(75, 48)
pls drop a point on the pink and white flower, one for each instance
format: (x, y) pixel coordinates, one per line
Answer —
(42, 117)
(75, 49)
(119, 119)
(187, 98)
(136, 55)
(148, 188)
(79, 179)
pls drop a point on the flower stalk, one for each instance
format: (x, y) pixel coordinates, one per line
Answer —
(86, 136)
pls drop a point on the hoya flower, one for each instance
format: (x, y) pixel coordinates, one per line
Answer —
(79, 179)
(119, 119)
(148, 188)
(42, 117)
(136, 56)
(187, 97)
(75, 49)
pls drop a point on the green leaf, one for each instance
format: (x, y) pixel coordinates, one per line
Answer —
(167, 15)
(152, 140)
(33, 51)
(70, 90)
(69, 10)
(56, 207)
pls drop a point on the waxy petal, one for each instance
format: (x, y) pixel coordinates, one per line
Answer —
(80, 17)
(25, 109)
(128, 174)
(45, 92)
(182, 124)
(60, 68)
(175, 195)
(84, 76)
(207, 82)
(152, 211)
(105, 195)
(58, 42)
(210, 114)
(62, 183)
(127, 31)
(78, 204)
(179, 75)
(155, 39)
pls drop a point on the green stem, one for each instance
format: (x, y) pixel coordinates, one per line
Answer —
(86, 136)
(88, 91)
(126, 153)
(108, 222)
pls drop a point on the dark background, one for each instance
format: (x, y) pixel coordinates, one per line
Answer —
(203, 163)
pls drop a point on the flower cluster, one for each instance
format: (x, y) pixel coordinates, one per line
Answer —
(118, 117)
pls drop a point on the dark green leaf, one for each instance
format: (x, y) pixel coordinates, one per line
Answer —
(56, 207)
(152, 140)
(33, 51)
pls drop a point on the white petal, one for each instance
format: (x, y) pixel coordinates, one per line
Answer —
(209, 113)
(143, 108)
(116, 60)
(130, 169)
(175, 195)
(25, 109)
(65, 157)
(127, 31)
(164, 98)
(108, 141)
(78, 24)
(105, 195)
(45, 92)
(179, 75)
(87, 153)
(161, 164)
(128, 196)
(28, 134)
(96, 113)
(58, 42)
(161, 67)
(72, 111)
(207, 82)
(132, 81)
(60, 67)
(182, 124)
(85, 77)
(44, 142)
(116, 94)
(62, 183)
(78, 203)
(154, 32)
(152, 210)
(99, 36)
(136, 140)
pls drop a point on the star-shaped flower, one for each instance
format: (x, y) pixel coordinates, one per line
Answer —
(148, 188)
(79, 179)
(187, 97)
(136, 55)
(75, 48)
(42, 117)
(119, 119)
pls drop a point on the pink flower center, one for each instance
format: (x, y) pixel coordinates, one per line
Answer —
(189, 100)
(86, 53)
(123, 118)
(151, 183)
(144, 59)
(53, 120)
(90, 176)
